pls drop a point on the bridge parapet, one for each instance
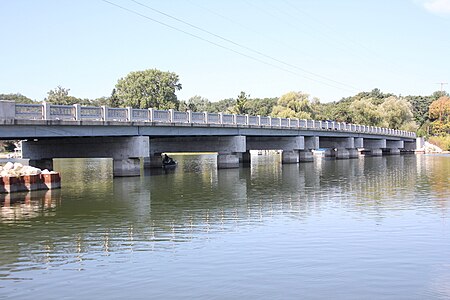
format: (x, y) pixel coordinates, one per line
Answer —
(76, 112)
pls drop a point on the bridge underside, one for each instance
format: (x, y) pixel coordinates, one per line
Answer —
(126, 152)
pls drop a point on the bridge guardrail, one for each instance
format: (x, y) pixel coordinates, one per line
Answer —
(47, 111)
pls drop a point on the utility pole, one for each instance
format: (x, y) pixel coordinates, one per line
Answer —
(442, 85)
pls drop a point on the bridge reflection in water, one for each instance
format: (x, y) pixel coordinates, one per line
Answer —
(95, 216)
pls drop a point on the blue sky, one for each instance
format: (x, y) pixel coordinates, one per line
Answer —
(327, 48)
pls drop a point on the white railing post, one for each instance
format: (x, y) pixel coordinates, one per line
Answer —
(246, 119)
(259, 120)
(77, 108)
(150, 114)
(189, 116)
(104, 113)
(129, 114)
(46, 110)
(220, 118)
(270, 120)
(234, 119)
(205, 113)
(171, 115)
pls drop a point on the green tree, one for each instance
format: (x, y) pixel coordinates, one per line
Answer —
(149, 88)
(198, 103)
(240, 104)
(224, 105)
(293, 105)
(261, 107)
(397, 113)
(18, 98)
(364, 112)
(60, 96)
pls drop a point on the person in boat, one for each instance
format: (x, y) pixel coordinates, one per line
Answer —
(167, 160)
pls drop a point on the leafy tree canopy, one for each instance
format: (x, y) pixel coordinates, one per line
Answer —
(440, 115)
(397, 113)
(19, 98)
(198, 103)
(294, 105)
(60, 96)
(240, 106)
(149, 88)
(261, 107)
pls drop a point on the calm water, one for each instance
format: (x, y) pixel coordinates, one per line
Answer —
(372, 228)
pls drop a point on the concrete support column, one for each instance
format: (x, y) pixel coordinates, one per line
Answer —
(126, 167)
(289, 157)
(311, 142)
(342, 153)
(305, 156)
(244, 157)
(329, 152)
(358, 143)
(227, 160)
(376, 152)
(44, 163)
(392, 151)
(353, 153)
(154, 161)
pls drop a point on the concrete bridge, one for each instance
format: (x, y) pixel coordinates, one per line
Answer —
(127, 135)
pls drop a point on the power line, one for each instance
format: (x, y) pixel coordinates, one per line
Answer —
(240, 45)
(227, 48)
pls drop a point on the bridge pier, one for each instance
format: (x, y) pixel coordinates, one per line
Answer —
(289, 157)
(342, 153)
(338, 147)
(310, 143)
(305, 156)
(391, 151)
(376, 152)
(227, 160)
(126, 167)
(329, 153)
(353, 153)
(43, 163)
(245, 157)
(393, 147)
(374, 146)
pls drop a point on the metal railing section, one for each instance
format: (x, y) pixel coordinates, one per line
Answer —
(76, 112)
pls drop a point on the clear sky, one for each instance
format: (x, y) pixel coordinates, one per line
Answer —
(327, 48)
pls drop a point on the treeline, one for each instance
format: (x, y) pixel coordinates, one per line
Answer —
(427, 115)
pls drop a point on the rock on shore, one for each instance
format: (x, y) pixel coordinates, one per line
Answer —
(17, 169)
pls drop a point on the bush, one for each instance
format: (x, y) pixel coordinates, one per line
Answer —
(442, 141)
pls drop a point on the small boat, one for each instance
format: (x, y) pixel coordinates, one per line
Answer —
(169, 164)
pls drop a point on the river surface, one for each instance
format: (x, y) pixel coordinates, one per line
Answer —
(367, 228)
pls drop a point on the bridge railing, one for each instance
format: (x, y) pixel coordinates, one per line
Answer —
(47, 111)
